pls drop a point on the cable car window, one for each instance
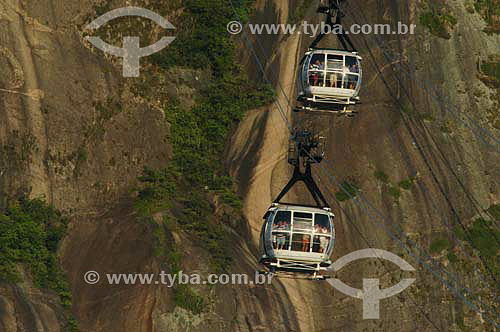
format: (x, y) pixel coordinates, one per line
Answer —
(316, 242)
(316, 78)
(332, 79)
(302, 222)
(339, 81)
(321, 223)
(303, 215)
(317, 62)
(317, 70)
(351, 81)
(335, 62)
(320, 243)
(281, 230)
(352, 64)
(281, 240)
(301, 242)
(282, 220)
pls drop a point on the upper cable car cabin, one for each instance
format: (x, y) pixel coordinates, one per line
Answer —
(330, 77)
(297, 239)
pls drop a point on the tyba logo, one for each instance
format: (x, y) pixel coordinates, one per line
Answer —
(371, 294)
(131, 51)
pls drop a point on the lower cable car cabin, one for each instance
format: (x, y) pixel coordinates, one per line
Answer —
(297, 238)
(330, 77)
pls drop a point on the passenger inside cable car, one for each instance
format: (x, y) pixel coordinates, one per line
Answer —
(352, 64)
(281, 230)
(304, 230)
(336, 73)
(350, 82)
(322, 227)
(316, 70)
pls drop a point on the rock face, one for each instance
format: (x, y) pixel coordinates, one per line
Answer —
(25, 308)
(72, 131)
(409, 98)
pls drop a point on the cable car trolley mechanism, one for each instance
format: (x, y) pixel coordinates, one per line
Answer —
(330, 79)
(297, 240)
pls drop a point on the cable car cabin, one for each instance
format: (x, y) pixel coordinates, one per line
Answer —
(330, 77)
(297, 239)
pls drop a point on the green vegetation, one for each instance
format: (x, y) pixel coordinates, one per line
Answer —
(452, 257)
(160, 240)
(199, 134)
(17, 151)
(30, 232)
(407, 107)
(104, 113)
(184, 296)
(395, 192)
(107, 110)
(494, 211)
(202, 40)
(195, 183)
(381, 176)
(469, 7)
(438, 245)
(460, 320)
(439, 24)
(407, 184)
(446, 128)
(297, 15)
(490, 11)
(102, 8)
(490, 71)
(161, 189)
(349, 190)
(158, 189)
(484, 237)
(489, 74)
(425, 116)
(459, 232)
(232, 199)
(92, 132)
(198, 219)
(79, 157)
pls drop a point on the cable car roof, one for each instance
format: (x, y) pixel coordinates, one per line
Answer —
(332, 51)
(301, 208)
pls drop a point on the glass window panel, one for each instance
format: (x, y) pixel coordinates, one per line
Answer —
(281, 240)
(302, 221)
(339, 81)
(320, 243)
(317, 70)
(317, 62)
(350, 60)
(324, 241)
(321, 223)
(282, 220)
(303, 215)
(302, 225)
(335, 62)
(316, 244)
(301, 242)
(333, 80)
(351, 82)
(316, 78)
(352, 64)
